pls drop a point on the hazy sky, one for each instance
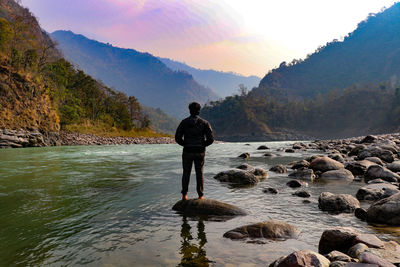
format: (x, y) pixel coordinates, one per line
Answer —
(245, 36)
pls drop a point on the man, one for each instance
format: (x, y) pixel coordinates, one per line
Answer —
(194, 134)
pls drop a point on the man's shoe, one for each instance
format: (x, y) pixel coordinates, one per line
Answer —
(185, 197)
(202, 197)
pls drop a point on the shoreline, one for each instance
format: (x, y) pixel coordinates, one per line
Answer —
(33, 138)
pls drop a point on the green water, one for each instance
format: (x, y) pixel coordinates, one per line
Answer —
(111, 206)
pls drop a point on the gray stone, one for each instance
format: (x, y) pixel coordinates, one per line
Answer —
(375, 160)
(376, 172)
(375, 151)
(242, 177)
(207, 207)
(300, 164)
(385, 211)
(302, 193)
(324, 164)
(361, 214)
(376, 191)
(296, 183)
(302, 258)
(244, 155)
(271, 190)
(394, 166)
(368, 257)
(337, 175)
(356, 250)
(305, 174)
(269, 229)
(279, 169)
(337, 238)
(359, 168)
(370, 240)
(338, 256)
(337, 203)
(262, 147)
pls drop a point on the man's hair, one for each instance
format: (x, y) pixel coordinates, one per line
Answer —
(194, 108)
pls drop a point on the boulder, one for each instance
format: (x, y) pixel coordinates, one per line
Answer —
(337, 175)
(369, 139)
(245, 166)
(337, 238)
(356, 250)
(269, 229)
(389, 252)
(361, 214)
(376, 191)
(376, 172)
(305, 174)
(337, 203)
(207, 207)
(244, 155)
(279, 169)
(369, 240)
(338, 256)
(268, 154)
(375, 151)
(385, 211)
(302, 258)
(394, 166)
(357, 149)
(290, 150)
(338, 157)
(242, 177)
(270, 190)
(375, 160)
(263, 147)
(370, 258)
(300, 164)
(324, 164)
(302, 193)
(359, 168)
(296, 183)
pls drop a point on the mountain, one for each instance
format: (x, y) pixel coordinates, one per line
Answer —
(134, 73)
(160, 121)
(371, 53)
(344, 89)
(223, 83)
(40, 90)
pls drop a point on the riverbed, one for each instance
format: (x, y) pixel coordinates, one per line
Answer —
(111, 206)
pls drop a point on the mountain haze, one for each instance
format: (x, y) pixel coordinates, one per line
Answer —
(371, 53)
(223, 83)
(134, 73)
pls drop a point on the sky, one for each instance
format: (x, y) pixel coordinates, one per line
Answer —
(245, 36)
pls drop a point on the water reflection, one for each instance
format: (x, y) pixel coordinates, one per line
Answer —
(192, 249)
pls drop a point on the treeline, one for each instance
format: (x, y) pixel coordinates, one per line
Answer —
(30, 56)
(357, 110)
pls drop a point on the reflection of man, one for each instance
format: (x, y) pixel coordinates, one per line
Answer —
(194, 134)
(193, 255)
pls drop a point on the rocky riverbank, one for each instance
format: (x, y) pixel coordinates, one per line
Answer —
(34, 138)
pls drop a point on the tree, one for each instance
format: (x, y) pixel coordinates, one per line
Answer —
(5, 34)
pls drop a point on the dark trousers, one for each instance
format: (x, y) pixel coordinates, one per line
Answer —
(187, 162)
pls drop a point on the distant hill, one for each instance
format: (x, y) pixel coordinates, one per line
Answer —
(223, 83)
(369, 54)
(344, 89)
(160, 121)
(134, 73)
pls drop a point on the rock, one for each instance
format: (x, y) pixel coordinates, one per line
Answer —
(357, 264)
(337, 157)
(207, 207)
(394, 166)
(241, 177)
(368, 257)
(299, 146)
(385, 211)
(305, 174)
(361, 214)
(302, 193)
(262, 147)
(324, 164)
(269, 229)
(338, 264)
(375, 151)
(296, 183)
(245, 166)
(370, 240)
(369, 139)
(300, 164)
(290, 150)
(244, 155)
(389, 252)
(338, 256)
(375, 160)
(356, 250)
(279, 169)
(356, 150)
(376, 191)
(338, 238)
(337, 203)
(270, 190)
(359, 168)
(376, 172)
(268, 154)
(337, 175)
(302, 258)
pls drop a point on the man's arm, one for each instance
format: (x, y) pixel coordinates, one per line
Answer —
(179, 134)
(209, 135)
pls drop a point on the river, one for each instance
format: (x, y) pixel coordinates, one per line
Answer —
(111, 206)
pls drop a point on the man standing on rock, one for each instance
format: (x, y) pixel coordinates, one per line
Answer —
(194, 134)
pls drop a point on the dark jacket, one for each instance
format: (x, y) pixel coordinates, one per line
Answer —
(194, 134)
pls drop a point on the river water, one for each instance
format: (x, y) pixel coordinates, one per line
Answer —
(111, 206)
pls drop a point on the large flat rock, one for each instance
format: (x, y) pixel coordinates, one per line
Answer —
(207, 207)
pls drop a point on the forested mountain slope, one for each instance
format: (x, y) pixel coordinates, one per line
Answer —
(369, 54)
(134, 73)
